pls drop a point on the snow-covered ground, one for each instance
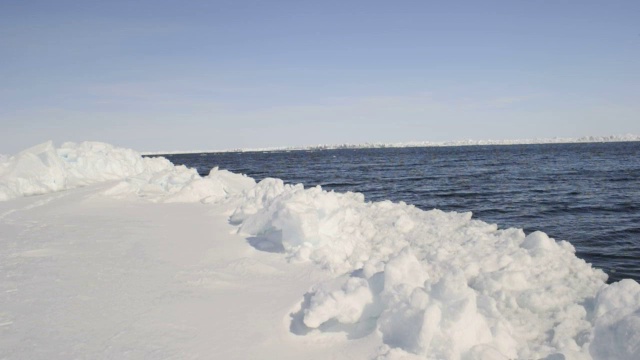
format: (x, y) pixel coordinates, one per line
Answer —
(105, 254)
(555, 140)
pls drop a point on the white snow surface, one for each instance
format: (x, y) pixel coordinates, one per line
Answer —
(143, 259)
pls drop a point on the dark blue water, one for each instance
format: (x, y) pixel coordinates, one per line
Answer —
(587, 194)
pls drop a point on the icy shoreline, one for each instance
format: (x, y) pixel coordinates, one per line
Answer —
(392, 281)
(418, 144)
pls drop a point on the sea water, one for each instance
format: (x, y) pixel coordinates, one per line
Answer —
(587, 194)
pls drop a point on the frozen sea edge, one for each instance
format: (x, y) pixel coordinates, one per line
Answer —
(419, 144)
(426, 284)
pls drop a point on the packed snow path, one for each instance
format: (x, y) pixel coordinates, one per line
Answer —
(125, 257)
(89, 277)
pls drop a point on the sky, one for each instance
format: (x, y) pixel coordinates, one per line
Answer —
(185, 75)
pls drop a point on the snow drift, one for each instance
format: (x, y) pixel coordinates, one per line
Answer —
(42, 169)
(426, 284)
(435, 284)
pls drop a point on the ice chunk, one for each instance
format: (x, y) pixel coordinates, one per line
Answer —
(346, 305)
(36, 170)
(616, 333)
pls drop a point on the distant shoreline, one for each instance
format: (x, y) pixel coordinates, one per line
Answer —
(415, 144)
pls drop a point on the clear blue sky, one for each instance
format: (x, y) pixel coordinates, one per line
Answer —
(169, 75)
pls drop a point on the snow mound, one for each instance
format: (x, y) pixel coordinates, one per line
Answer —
(182, 184)
(43, 168)
(617, 322)
(441, 285)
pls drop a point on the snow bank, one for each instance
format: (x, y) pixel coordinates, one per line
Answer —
(43, 169)
(441, 285)
(431, 284)
(182, 184)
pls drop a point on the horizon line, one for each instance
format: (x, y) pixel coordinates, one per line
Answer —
(413, 144)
